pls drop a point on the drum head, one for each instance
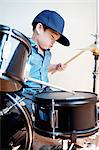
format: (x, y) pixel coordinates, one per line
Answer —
(66, 98)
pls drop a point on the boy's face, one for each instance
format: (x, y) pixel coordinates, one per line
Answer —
(46, 38)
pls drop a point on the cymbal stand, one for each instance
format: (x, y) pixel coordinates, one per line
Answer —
(96, 66)
(96, 74)
(96, 53)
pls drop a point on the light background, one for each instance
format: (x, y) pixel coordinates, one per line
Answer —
(80, 23)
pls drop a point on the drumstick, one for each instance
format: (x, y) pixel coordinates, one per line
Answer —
(64, 65)
(48, 84)
(75, 56)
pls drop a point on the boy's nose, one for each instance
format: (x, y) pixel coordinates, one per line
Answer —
(53, 41)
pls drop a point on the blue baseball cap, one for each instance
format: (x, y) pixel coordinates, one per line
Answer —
(54, 21)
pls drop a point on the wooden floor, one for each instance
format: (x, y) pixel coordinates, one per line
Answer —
(45, 143)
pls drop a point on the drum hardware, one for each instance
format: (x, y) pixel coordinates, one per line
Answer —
(7, 109)
(65, 144)
(71, 144)
(68, 145)
(96, 53)
(54, 120)
(96, 74)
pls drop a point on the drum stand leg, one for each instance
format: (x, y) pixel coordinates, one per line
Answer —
(70, 144)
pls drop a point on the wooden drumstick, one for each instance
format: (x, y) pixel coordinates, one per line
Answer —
(50, 85)
(65, 64)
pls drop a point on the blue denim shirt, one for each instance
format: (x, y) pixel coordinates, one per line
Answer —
(39, 64)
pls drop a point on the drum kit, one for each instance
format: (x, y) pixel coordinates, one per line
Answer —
(70, 114)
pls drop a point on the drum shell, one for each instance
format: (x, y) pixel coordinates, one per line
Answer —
(71, 116)
(77, 118)
(15, 69)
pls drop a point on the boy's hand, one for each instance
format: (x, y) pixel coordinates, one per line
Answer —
(59, 67)
(56, 67)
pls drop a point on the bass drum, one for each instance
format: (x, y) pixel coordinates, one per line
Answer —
(15, 123)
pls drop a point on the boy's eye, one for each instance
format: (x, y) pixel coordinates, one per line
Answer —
(52, 36)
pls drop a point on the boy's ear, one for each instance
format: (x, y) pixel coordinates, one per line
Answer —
(39, 28)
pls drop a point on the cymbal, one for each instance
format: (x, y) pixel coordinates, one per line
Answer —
(93, 48)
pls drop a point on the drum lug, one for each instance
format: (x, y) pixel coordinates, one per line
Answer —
(54, 118)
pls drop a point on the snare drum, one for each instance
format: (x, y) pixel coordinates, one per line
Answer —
(14, 51)
(66, 113)
(15, 123)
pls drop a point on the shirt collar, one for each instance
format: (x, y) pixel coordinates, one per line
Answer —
(34, 45)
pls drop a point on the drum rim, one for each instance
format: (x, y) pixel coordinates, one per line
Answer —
(3, 26)
(17, 35)
(24, 39)
(79, 133)
(67, 102)
(9, 82)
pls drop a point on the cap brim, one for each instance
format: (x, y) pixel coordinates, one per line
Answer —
(63, 40)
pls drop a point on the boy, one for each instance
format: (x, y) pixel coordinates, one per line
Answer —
(47, 28)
